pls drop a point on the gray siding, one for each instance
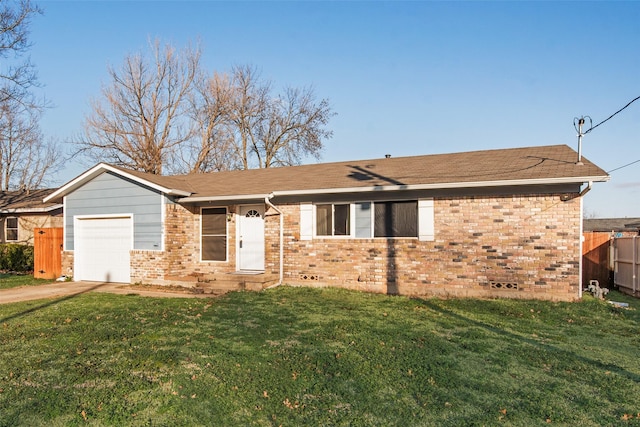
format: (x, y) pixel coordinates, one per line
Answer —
(110, 194)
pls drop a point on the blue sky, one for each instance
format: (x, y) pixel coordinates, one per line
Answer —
(405, 78)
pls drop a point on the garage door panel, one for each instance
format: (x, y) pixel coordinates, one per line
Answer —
(102, 248)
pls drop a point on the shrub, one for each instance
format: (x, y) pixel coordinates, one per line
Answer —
(15, 257)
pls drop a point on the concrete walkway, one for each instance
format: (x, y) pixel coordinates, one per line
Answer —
(65, 289)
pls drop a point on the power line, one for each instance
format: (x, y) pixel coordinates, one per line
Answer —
(579, 122)
(611, 116)
(623, 166)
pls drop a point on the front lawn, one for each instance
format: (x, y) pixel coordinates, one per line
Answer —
(300, 356)
(10, 280)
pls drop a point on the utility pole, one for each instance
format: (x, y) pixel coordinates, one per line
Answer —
(580, 122)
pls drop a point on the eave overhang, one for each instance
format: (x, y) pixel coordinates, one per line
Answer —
(394, 188)
(230, 198)
(31, 210)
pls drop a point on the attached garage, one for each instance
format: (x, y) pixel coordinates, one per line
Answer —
(102, 248)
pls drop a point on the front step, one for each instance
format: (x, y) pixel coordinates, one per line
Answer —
(221, 283)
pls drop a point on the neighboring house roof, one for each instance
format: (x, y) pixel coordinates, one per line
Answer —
(555, 164)
(612, 224)
(27, 201)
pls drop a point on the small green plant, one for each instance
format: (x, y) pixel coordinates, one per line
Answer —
(14, 257)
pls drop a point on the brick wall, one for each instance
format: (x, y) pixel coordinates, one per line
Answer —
(522, 247)
(67, 263)
(518, 247)
(180, 261)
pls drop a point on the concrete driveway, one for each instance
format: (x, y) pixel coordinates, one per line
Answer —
(64, 289)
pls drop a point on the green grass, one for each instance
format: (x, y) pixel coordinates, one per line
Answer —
(8, 280)
(321, 357)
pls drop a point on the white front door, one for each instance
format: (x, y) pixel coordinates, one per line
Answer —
(251, 238)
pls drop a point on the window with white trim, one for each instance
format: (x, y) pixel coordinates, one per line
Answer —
(365, 220)
(333, 220)
(11, 229)
(395, 219)
(213, 234)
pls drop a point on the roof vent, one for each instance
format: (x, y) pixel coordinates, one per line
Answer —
(387, 156)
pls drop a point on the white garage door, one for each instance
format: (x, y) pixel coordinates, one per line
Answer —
(101, 249)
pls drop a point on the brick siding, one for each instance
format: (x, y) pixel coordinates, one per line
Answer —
(522, 247)
(67, 263)
(516, 247)
(181, 258)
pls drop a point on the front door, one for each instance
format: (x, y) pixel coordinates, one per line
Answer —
(251, 238)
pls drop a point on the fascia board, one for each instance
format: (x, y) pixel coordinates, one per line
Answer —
(222, 198)
(449, 185)
(31, 210)
(101, 168)
(439, 186)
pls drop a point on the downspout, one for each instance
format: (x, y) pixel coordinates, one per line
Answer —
(634, 264)
(267, 201)
(582, 193)
(587, 189)
(580, 246)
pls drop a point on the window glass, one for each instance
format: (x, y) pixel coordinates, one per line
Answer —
(396, 219)
(333, 220)
(363, 220)
(341, 220)
(214, 234)
(11, 229)
(324, 223)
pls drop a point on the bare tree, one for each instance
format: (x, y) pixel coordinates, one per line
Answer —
(211, 148)
(242, 124)
(294, 126)
(140, 121)
(16, 79)
(25, 159)
(167, 115)
(275, 130)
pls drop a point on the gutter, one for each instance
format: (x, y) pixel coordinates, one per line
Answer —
(447, 185)
(267, 201)
(30, 210)
(225, 198)
(587, 189)
(382, 188)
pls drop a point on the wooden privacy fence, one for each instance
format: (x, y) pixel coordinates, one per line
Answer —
(627, 264)
(47, 253)
(595, 258)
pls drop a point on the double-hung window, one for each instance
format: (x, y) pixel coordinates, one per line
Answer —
(214, 234)
(366, 220)
(11, 229)
(333, 220)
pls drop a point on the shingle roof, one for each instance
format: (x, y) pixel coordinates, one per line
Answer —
(611, 224)
(517, 164)
(26, 201)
